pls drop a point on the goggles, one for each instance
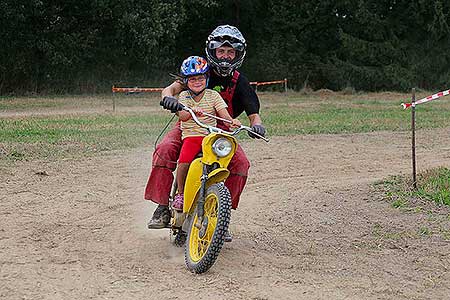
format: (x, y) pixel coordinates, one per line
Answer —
(235, 45)
(197, 78)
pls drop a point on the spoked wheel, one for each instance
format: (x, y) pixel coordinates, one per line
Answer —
(204, 244)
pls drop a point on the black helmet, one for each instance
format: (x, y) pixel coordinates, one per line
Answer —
(225, 35)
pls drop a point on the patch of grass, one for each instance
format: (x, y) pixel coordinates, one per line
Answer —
(85, 124)
(425, 231)
(78, 101)
(391, 234)
(435, 185)
(336, 113)
(377, 229)
(16, 155)
(445, 234)
(56, 136)
(432, 185)
(399, 203)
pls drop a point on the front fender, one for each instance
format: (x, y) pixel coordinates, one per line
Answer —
(217, 175)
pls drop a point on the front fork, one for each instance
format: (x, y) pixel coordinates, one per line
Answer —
(201, 198)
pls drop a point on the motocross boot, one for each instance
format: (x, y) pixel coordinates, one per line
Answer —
(160, 218)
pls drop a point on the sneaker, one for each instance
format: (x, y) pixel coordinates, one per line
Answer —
(160, 218)
(228, 237)
(178, 201)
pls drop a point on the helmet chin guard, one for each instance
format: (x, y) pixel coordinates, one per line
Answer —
(225, 35)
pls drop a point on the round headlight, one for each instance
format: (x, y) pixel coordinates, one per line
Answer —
(222, 147)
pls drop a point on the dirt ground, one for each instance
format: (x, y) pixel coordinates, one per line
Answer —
(311, 225)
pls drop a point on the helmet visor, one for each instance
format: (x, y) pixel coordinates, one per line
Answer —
(235, 45)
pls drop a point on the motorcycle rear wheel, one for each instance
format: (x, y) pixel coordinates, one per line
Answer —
(204, 245)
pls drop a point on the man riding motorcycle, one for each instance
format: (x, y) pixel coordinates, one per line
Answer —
(225, 52)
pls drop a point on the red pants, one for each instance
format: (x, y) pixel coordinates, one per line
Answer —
(165, 161)
(191, 147)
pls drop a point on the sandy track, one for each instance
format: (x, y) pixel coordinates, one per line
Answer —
(310, 226)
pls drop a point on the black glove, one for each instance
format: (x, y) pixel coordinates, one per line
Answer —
(259, 129)
(171, 103)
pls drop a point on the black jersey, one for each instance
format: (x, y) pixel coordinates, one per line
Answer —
(244, 97)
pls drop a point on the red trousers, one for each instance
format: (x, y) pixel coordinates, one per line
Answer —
(192, 145)
(165, 161)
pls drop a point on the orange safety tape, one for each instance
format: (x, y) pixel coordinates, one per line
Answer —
(271, 82)
(267, 82)
(135, 90)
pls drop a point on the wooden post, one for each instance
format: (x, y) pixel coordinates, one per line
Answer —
(413, 136)
(114, 101)
(285, 85)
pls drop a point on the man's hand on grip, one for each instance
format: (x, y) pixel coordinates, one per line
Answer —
(259, 129)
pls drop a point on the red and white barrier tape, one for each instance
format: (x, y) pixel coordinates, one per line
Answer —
(142, 90)
(427, 99)
(267, 82)
(135, 90)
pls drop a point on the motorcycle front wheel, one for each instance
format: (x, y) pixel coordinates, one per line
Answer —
(203, 244)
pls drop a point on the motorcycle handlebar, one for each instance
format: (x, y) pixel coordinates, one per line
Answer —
(218, 130)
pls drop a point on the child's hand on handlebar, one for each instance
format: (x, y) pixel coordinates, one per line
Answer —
(198, 111)
(235, 123)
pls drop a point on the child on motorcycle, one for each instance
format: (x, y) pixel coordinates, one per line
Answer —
(194, 72)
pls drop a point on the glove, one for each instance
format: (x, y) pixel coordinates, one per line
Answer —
(259, 129)
(171, 103)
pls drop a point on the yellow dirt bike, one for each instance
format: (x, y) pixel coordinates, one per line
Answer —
(203, 223)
